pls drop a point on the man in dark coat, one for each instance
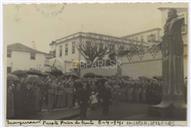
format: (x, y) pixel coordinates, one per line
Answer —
(28, 102)
(83, 98)
(18, 100)
(105, 99)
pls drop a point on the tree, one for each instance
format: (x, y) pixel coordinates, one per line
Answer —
(93, 51)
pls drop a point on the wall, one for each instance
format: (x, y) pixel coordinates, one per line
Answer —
(104, 71)
(148, 67)
(145, 35)
(22, 61)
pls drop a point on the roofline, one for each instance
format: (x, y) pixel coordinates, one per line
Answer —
(36, 51)
(141, 32)
(75, 35)
(67, 36)
(163, 8)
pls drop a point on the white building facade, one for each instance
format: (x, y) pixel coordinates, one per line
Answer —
(21, 57)
(147, 37)
(67, 55)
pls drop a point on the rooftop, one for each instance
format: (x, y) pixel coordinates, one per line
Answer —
(178, 8)
(22, 48)
(149, 30)
(91, 35)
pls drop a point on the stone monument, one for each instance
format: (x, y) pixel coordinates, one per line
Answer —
(173, 104)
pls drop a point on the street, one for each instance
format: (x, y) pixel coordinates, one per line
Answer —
(118, 111)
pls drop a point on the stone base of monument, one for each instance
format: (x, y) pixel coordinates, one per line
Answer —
(167, 112)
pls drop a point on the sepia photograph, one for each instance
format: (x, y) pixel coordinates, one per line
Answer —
(109, 61)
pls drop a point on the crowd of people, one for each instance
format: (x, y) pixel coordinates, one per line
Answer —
(30, 94)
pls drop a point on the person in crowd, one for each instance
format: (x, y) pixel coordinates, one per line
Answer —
(44, 92)
(106, 98)
(83, 99)
(51, 95)
(148, 93)
(37, 98)
(59, 95)
(74, 92)
(143, 92)
(63, 95)
(55, 86)
(130, 90)
(28, 101)
(24, 99)
(136, 93)
(93, 100)
(70, 94)
(10, 100)
(18, 99)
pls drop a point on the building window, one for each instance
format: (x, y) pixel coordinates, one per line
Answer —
(66, 49)
(33, 56)
(121, 47)
(151, 38)
(60, 51)
(54, 53)
(142, 39)
(9, 53)
(101, 45)
(73, 47)
(8, 69)
(112, 46)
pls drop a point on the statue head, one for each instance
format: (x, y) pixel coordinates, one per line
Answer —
(172, 13)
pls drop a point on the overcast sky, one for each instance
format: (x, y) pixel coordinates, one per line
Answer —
(41, 24)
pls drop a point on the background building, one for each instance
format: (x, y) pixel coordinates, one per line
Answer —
(21, 57)
(142, 50)
(146, 37)
(66, 54)
(152, 58)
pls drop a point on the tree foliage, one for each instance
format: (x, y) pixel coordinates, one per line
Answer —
(92, 51)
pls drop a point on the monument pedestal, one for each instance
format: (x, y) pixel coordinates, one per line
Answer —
(167, 112)
(169, 109)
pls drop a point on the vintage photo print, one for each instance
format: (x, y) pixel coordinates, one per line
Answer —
(122, 64)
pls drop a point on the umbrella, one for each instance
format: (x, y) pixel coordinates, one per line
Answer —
(101, 80)
(20, 73)
(144, 78)
(36, 72)
(89, 75)
(34, 79)
(12, 77)
(159, 78)
(71, 74)
(56, 72)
